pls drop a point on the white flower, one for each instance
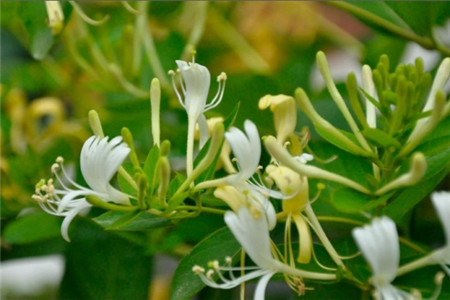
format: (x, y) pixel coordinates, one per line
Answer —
(194, 82)
(379, 245)
(441, 202)
(251, 230)
(246, 149)
(99, 161)
(253, 234)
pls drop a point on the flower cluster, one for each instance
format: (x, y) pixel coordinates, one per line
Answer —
(395, 118)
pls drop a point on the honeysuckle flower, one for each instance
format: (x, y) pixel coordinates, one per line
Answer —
(246, 148)
(99, 161)
(247, 151)
(194, 82)
(296, 196)
(379, 245)
(284, 113)
(247, 194)
(251, 230)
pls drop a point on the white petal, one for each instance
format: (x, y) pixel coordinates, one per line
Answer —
(253, 137)
(441, 202)
(389, 292)
(204, 130)
(197, 80)
(253, 234)
(68, 219)
(99, 161)
(378, 243)
(70, 201)
(261, 287)
(266, 207)
(247, 149)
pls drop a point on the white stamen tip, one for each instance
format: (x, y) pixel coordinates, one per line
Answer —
(59, 159)
(55, 167)
(198, 270)
(228, 260)
(171, 72)
(210, 274)
(37, 198)
(214, 264)
(222, 77)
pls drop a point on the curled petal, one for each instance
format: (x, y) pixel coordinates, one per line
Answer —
(441, 202)
(379, 245)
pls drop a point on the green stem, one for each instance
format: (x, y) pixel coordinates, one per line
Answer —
(305, 274)
(285, 158)
(416, 264)
(324, 68)
(323, 237)
(109, 206)
(339, 220)
(201, 209)
(128, 178)
(391, 27)
(214, 148)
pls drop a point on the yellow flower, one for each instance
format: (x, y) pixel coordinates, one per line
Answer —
(284, 114)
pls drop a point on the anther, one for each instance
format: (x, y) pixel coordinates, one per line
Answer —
(222, 77)
(210, 274)
(214, 264)
(59, 159)
(37, 198)
(55, 167)
(198, 270)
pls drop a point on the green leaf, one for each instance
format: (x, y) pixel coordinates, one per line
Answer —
(421, 16)
(174, 184)
(437, 153)
(408, 198)
(330, 137)
(380, 137)
(32, 228)
(34, 18)
(150, 167)
(345, 164)
(101, 265)
(368, 11)
(350, 201)
(131, 221)
(217, 246)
